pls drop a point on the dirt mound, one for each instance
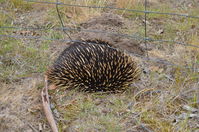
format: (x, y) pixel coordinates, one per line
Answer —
(107, 19)
(109, 27)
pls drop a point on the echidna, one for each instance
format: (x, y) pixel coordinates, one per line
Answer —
(93, 67)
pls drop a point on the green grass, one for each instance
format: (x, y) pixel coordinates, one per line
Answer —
(20, 59)
(5, 19)
(112, 112)
(18, 4)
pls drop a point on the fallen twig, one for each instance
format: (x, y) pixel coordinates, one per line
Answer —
(46, 106)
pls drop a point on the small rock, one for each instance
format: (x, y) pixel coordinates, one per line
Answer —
(160, 31)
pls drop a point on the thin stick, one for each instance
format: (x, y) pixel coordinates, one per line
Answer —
(46, 106)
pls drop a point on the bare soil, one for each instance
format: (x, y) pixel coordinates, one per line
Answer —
(111, 26)
(20, 105)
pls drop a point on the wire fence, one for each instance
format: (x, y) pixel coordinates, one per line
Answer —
(114, 8)
(134, 36)
(152, 59)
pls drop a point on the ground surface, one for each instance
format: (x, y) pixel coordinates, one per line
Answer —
(165, 100)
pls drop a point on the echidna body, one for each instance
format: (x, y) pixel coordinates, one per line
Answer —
(93, 67)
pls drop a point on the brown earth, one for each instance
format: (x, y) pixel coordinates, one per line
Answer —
(111, 25)
(20, 105)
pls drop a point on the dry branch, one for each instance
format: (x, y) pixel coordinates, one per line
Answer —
(46, 106)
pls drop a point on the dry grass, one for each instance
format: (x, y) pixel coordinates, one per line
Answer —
(17, 4)
(157, 103)
(79, 14)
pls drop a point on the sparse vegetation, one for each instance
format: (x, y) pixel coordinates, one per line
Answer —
(163, 101)
(19, 60)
